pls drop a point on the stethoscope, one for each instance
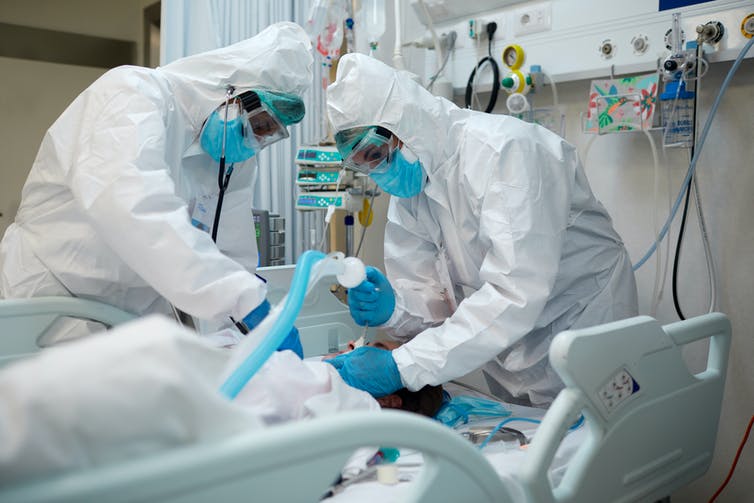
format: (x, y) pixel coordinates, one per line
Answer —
(223, 177)
(223, 180)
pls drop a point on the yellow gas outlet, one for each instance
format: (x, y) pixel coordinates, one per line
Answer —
(747, 26)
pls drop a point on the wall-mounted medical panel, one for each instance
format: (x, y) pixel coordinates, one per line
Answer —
(578, 39)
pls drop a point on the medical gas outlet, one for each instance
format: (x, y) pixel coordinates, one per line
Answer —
(747, 26)
(515, 81)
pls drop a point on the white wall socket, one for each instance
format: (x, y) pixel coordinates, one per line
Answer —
(532, 19)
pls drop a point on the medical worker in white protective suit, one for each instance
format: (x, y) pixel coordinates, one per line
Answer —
(119, 205)
(494, 241)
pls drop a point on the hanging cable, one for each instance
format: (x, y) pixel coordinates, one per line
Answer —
(711, 273)
(659, 283)
(735, 460)
(491, 28)
(695, 158)
(684, 215)
(677, 257)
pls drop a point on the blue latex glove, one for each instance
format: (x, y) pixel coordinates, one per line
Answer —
(291, 341)
(370, 369)
(255, 317)
(373, 301)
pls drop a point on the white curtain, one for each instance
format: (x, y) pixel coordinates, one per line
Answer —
(192, 26)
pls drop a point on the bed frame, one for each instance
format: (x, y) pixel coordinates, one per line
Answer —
(641, 446)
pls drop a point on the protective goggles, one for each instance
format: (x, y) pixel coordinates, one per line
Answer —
(267, 128)
(366, 150)
(232, 121)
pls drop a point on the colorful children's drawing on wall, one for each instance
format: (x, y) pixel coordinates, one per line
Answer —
(626, 104)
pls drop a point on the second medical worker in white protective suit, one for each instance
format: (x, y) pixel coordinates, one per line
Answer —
(119, 203)
(494, 241)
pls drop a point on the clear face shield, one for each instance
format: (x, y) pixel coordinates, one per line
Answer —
(235, 134)
(267, 128)
(366, 150)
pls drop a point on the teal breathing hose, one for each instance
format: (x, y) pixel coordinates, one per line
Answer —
(280, 329)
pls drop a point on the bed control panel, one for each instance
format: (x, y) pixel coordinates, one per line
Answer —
(618, 389)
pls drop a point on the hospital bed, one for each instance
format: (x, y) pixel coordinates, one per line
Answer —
(638, 444)
(324, 323)
(23, 322)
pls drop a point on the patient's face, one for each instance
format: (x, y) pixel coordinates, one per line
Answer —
(388, 345)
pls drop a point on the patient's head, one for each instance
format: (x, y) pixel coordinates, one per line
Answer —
(426, 401)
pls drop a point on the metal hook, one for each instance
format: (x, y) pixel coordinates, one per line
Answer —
(612, 72)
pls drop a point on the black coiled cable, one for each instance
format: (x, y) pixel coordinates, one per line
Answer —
(491, 28)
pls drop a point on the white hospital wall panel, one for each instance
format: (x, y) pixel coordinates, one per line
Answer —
(570, 50)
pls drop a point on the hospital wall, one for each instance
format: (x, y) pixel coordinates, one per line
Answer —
(621, 172)
(34, 93)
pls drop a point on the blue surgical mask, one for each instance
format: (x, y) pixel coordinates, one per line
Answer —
(402, 178)
(239, 140)
(460, 409)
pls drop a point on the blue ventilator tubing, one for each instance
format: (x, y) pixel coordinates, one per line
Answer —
(280, 329)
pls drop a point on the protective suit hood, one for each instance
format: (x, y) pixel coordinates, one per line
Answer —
(367, 92)
(504, 247)
(123, 160)
(273, 59)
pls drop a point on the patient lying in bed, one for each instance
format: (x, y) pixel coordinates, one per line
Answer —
(146, 386)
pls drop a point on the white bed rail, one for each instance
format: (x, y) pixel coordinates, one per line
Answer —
(24, 321)
(259, 467)
(653, 431)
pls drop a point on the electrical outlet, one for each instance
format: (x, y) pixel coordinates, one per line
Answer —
(532, 19)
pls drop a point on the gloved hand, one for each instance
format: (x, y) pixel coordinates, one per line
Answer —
(370, 369)
(255, 317)
(373, 301)
(291, 341)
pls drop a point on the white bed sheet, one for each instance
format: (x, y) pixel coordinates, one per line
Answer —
(505, 458)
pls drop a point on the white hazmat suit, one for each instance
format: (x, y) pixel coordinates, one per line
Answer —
(505, 247)
(106, 210)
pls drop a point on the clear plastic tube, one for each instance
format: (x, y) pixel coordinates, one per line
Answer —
(697, 152)
(435, 40)
(659, 283)
(397, 54)
(554, 90)
(711, 273)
